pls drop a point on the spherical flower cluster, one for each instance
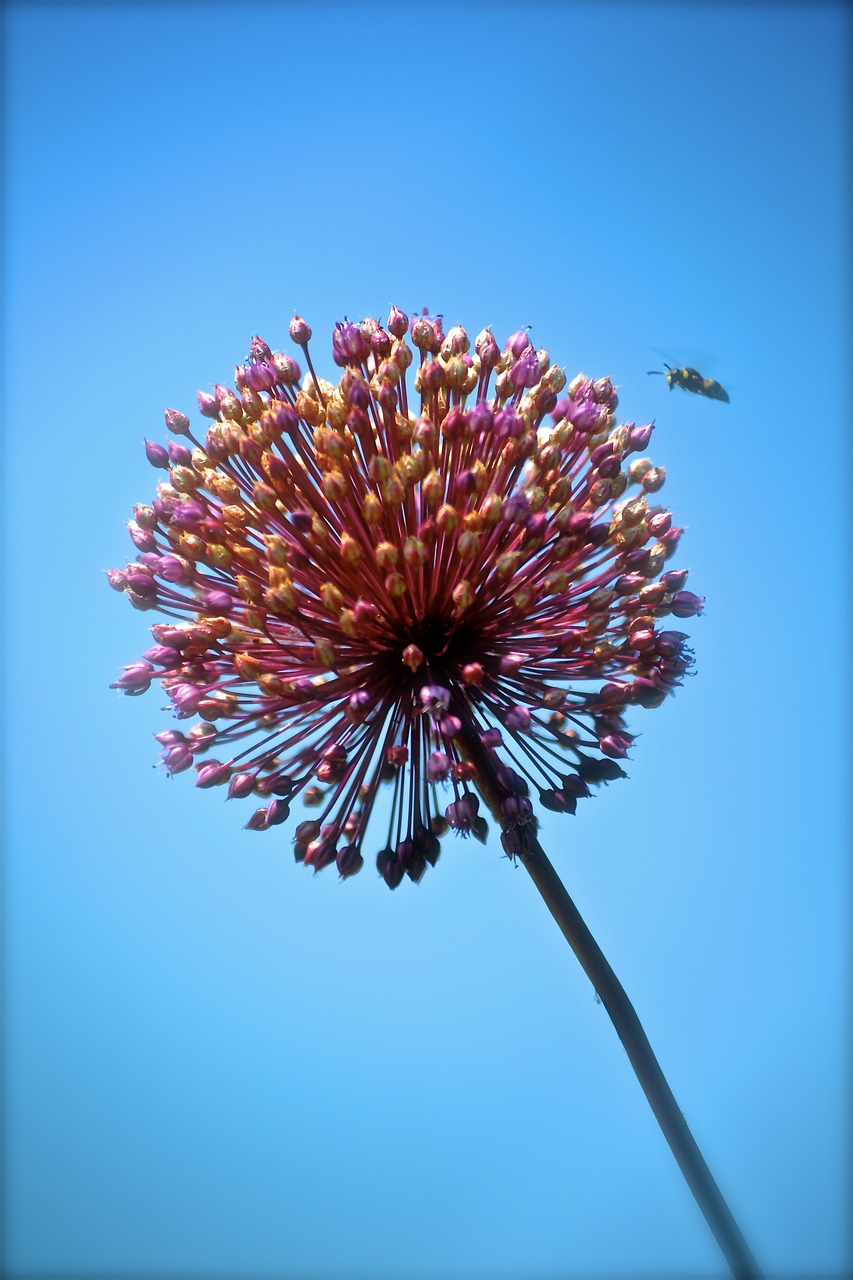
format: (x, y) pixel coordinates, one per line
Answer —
(454, 591)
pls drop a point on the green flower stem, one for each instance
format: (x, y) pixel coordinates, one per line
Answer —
(628, 1027)
(652, 1080)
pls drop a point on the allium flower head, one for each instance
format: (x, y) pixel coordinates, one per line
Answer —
(447, 568)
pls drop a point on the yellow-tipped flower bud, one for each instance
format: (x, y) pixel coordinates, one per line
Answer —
(463, 595)
(387, 555)
(414, 553)
(371, 509)
(447, 518)
(350, 549)
(331, 597)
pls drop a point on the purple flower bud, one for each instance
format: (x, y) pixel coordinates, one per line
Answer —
(424, 334)
(241, 785)
(525, 372)
(358, 706)
(481, 419)
(380, 344)
(261, 376)
(177, 758)
(602, 452)
(659, 523)
(674, 580)
(170, 737)
(172, 569)
(349, 861)
(583, 412)
(217, 602)
(398, 322)
(514, 809)
(185, 697)
(163, 656)
(156, 454)
(302, 521)
(434, 699)
(411, 859)
(518, 718)
(349, 345)
(574, 785)
(450, 726)
(535, 528)
(516, 509)
(558, 801)
(437, 767)
(135, 678)
(595, 771)
(299, 332)
(428, 844)
(142, 539)
(637, 560)
(179, 454)
(615, 745)
(287, 370)
(670, 644)
(646, 693)
(518, 343)
(207, 405)
(628, 584)
(462, 813)
(177, 423)
(670, 540)
(687, 605)
(140, 580)
(259, 350)
(487, 349)
(388, 866)
(492, 738)
(258, 821)
(598, 534)
(639, 437)
(508, 425)
(278, 811)
(212, 773)
(604, 393)
(512, 781)
(187, 515)
(517, 841)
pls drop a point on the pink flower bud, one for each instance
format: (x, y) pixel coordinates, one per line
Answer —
(212, 773)
(518, 718)
(437, 767)
(177, 422)
(299, 332)
(398, 322)
(687, 605)
(207, 405)
(349, 861)
(156, 454)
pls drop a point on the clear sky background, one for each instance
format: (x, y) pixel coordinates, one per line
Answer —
(218, 1063)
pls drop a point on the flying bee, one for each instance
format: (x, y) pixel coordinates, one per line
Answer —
(692, 380)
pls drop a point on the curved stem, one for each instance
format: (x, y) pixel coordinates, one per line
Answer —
(652, 1080)
(628, 1027)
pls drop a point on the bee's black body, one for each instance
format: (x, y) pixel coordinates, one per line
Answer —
(692, 380)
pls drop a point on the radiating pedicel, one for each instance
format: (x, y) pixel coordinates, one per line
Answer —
(448, 564)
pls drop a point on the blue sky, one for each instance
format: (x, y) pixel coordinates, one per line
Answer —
(219, 1063)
